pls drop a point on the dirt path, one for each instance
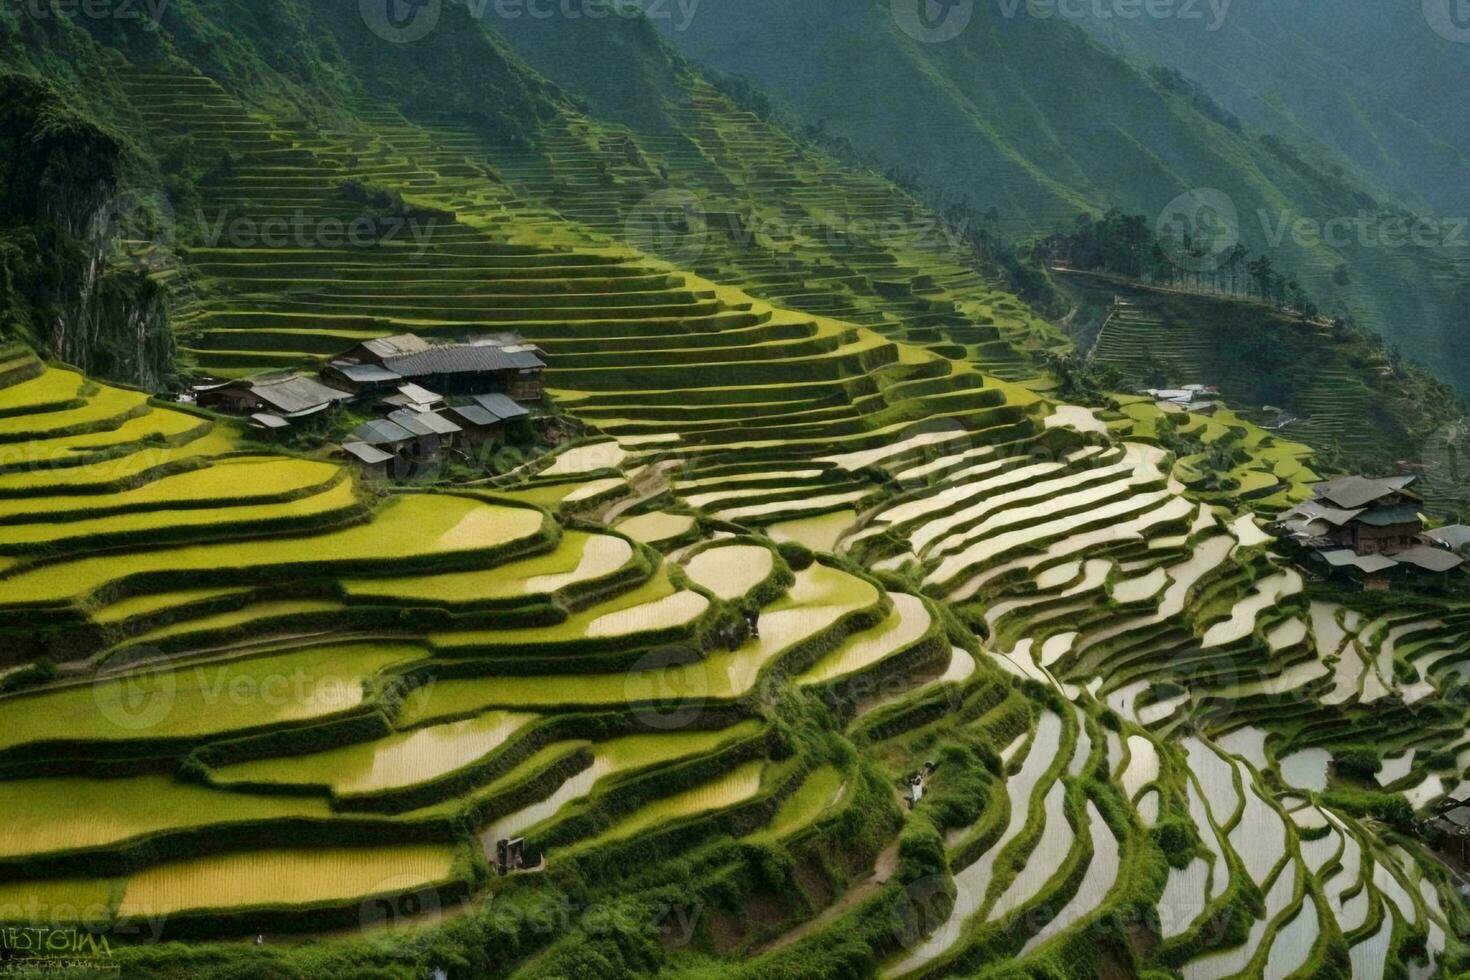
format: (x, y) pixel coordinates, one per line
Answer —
(650, 483)
(883, 868)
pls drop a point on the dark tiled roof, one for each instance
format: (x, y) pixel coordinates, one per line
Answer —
(1350, 492)
(1389, 516)
(366, 453)
(475, 415)
(502, 406)
(366, 373)
(1455, 536)
(1430, 559)
(423, 423)
(462, 359)
(381, 432)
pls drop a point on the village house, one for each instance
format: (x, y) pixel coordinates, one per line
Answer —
(1365, 516)
(485, 418)
(414, 398)
(412, 440)
(502, 363)
(1370, 528)
(434, 433)
(372, 462)
(1191, 398)
(271, 401)
(388, 439)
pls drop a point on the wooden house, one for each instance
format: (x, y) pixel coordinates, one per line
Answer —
(502, 363)
(1361, 515)
(485, 419)
(285, 396)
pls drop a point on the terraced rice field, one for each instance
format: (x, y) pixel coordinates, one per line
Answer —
(401, 760)
(282, 879)
(851, 534)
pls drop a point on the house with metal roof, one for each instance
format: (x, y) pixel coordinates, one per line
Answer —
(485, 418)
(1455, 537)
(1371, 529)
(503, 406)
(420, 438)
(372, 462)
(285, 396)
(385, 438)
(1365, 516)
(502, 363)
(415, 398)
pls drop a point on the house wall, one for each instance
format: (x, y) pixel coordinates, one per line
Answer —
(1384, 540)
(525, 388)
(233, 401)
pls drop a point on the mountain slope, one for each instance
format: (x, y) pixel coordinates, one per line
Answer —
(1034, 119)
(1373, 83)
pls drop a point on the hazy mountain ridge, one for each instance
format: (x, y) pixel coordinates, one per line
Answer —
(1037, 120)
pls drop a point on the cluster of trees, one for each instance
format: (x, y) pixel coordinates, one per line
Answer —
(1126, 245)
(1080, 379)
(1215, 460)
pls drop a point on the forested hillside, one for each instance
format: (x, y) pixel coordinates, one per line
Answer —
(1033, 121)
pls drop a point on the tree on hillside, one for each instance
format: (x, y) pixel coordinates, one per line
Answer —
(1235, 262)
